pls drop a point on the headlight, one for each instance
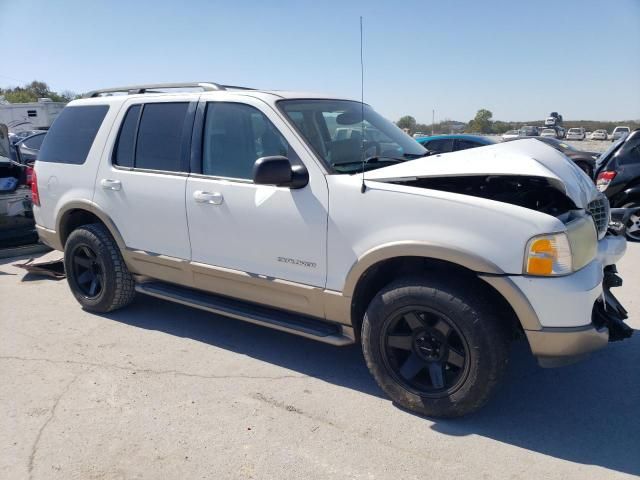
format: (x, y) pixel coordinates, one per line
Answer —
(548, 255)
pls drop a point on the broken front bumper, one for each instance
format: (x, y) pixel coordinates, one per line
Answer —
(557, 346)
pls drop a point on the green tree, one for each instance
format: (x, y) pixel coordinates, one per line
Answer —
(482, 122)
(407, 122)
(34, 90)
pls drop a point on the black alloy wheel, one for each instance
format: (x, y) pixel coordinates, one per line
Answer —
(425, 352)
(88, 272)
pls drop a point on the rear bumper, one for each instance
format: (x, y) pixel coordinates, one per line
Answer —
(49, 237)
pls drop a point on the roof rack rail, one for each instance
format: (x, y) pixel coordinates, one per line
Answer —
(150, 88)
(236, 87)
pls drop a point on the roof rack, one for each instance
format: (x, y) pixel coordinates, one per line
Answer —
(152, 87)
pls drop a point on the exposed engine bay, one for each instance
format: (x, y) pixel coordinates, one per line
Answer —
(535, 193)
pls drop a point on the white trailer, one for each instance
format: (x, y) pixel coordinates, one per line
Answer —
(29, 116)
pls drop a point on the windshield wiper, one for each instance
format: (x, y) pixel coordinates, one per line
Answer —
(374, 159)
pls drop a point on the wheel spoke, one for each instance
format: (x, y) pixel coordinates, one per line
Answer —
(411, 367)
(403, 342)
(93, 288)
(82, 261)
(436, 373)
(89, 254)
(455, 358)
(85, 277)
(443, 327)
(413, 320)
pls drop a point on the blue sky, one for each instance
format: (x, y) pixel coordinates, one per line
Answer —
(520, 60)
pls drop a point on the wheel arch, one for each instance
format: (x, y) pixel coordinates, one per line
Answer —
(83, 212)
(382, 266)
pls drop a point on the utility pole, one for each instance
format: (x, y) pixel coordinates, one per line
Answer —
(433, 120)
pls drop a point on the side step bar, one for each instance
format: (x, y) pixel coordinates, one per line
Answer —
(297, 324)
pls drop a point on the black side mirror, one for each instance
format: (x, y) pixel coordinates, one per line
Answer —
(278, 171)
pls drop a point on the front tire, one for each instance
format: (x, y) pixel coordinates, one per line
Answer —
(433, 347)
(96, 272)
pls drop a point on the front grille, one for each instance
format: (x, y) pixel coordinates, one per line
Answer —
(599, 210)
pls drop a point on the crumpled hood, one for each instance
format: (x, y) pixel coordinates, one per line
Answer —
(523, 157)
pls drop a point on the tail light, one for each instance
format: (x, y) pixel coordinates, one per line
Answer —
(35, 195)
(604, 179)
(28, 172)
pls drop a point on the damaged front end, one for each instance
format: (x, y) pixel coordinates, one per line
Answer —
(608, 311)
(535, 193)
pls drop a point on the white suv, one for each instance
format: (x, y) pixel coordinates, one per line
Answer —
(251, 204)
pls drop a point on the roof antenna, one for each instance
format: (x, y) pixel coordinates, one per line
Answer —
(363, 188)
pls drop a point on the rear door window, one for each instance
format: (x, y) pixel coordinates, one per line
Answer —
(464, 144)
(70, 137)
(159, 144)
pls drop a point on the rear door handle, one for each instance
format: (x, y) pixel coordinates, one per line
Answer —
(213, 198)
(109, 184)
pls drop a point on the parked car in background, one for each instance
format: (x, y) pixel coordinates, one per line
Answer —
(599, 135)
(576, 134)
(548, 132)
(510, 134)
(620, 132)
(618, 177)
(529, 131)
(585, 160)
(419, 134)
(454, 143)
(17, 226)
(15, 137)
(30, 146)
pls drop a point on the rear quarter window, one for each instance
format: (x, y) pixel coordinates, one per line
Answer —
(70, 137)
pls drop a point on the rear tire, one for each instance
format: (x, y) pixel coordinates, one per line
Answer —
(434, 346)
(96, 272)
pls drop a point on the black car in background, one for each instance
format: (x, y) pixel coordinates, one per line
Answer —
(30, 146)
(585, 160)
(618, 176)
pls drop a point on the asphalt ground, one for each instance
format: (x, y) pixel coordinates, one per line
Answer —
(162, 391)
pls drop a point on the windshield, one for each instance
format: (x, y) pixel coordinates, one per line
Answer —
(335, 131)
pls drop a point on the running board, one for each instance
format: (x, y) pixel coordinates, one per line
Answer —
(297, 324)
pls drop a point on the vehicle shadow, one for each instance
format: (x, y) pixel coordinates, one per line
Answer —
(342, 366)
(585, 413)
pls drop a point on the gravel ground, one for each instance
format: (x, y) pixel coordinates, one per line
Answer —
(590, 145)
(159, 390)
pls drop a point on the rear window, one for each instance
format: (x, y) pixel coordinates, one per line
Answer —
(34, 142)
(70, 137)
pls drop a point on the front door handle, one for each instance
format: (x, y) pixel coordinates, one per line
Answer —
(213, 198)
(109, 184)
